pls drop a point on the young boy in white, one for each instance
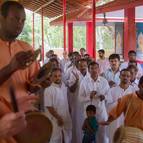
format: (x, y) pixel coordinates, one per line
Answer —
(92, 90)
(57, 109)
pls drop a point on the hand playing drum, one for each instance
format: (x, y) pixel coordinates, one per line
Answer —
(22, 60)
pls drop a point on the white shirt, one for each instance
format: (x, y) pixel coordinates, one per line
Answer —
(86, 87)
(56, 96)
(114, 94)
(140, 70)
(117, 92)
(135, 84)
(111, 76)
(77, 109)
(67, 65)
(67, 73)
(73, 77)
(63, 62)
(103, 64)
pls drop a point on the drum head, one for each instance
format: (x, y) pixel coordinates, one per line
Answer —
(38, 130)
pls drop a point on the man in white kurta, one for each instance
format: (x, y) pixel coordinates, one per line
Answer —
(65, 60)
(92, 90)
(102, 61)
(114, 94)
(134, 80)
(72, 68)
(57, 109)
(132, 59)
(77, 111)
(112, 74)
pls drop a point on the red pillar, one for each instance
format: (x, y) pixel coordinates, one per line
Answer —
(42, 27)
(33, 31)
(89, 38)
(129, 32)
(93, 27)
(64, 23)
(70, 37)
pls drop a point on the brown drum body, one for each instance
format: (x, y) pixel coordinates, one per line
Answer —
(126, 134)
(38, 130)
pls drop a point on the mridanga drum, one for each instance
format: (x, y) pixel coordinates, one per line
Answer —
(38, 130)
(126, 134)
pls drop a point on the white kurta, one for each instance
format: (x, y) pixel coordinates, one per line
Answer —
(101, 86)
(110, 76)
(140, 70)
(103, 65)
(56, 96)
(64, 62)
(135, 84)
(67, 65)
(77, 110)
(113, 95)
(67, 73)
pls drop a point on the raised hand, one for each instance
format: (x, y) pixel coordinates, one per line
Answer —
(76, 75)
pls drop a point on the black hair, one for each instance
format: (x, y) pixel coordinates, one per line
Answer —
(86, 55)
(76, 53)
(51, 51)
(102, 51)
(70, 54)
(114, 56)
(132, 63)
(141, 80)
(54, 60)
(132, 67)
(5, 7)
(82, 49)
(82, 60)
(54, 55)
(131, 52)
(124, 70)
(91, 108)
(92, 64)
(55, 69)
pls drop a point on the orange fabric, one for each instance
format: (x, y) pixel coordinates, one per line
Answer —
(5, 108)
(20, 77)
(134, 115)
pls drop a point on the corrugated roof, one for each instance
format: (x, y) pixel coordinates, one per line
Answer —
(54, 8)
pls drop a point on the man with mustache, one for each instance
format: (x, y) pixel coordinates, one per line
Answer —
(17, 68)
(114, 94)
(112, 74)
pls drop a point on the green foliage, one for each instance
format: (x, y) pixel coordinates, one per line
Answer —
(53, 35)
(26, 34)
(79, 37)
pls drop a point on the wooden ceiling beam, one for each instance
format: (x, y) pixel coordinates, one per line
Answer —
(111, 6)
(118, 4)
(43, 6)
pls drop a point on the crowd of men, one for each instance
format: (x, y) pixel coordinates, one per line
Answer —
(101, 83)
(85, 99)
